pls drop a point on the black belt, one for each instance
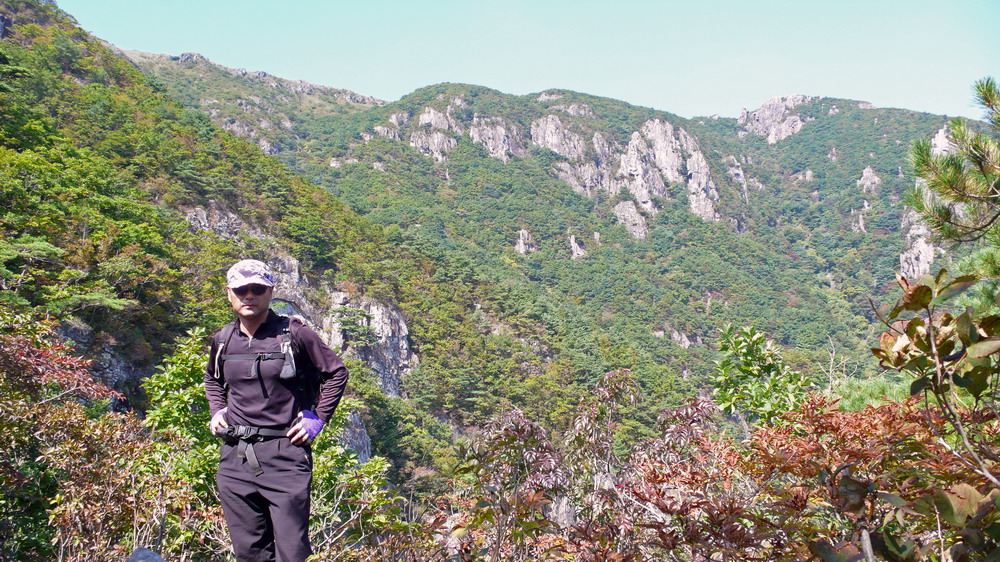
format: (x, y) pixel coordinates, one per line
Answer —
(247, 436)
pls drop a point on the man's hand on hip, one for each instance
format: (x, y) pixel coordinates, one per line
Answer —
(305, 429)
(218, 423)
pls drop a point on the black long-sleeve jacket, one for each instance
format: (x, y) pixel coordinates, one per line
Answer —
(268, 400)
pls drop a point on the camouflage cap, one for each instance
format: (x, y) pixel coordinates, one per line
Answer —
(249, 272)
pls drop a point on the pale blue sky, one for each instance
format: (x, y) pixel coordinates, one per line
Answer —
(690, 58)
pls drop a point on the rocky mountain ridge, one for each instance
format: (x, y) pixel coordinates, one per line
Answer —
(270, 115)
(799, 171)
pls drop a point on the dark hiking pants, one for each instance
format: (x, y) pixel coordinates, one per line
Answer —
(268, 515)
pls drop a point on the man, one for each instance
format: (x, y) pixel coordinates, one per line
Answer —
(272, 385)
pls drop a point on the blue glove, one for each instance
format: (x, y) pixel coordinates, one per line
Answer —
(305, 429)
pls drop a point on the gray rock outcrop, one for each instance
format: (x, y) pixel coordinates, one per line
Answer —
(575, 248)
(774, 119)
(629, 216)
(434, 143)
(525, 243)
(920, 253)
(656, 154)
(499, 140)
(549, 132)
(870, 181)
(388, 132)
(399, 119)
(578, 109)
(435, 119)
(858, 218)
(355, 436)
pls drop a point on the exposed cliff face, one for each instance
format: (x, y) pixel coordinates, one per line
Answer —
(550, 133)
(355, 436)
(774, 119)
(869, 181)
(629, 216)
(858, 218)
(576, 249)
(500, 140)
(434, 143)
(390, 355)
(525, 243)
(920, 252)
(578, 109)
(656, 154)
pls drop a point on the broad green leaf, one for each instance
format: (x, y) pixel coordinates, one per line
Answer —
(917, 297)
(990, 325)
(984, 348)
(940, 277)
(966, 328)
(891, 499)
(844, 552)
(955, 288)
(919, 385)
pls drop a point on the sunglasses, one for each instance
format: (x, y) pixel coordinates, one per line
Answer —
(255, 289)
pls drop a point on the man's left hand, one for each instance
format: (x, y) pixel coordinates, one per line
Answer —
(305, 429)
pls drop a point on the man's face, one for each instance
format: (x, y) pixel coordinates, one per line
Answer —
(250, 301)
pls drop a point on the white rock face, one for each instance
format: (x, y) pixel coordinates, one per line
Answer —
(579, 109)
(701, 190)
(629, 216)
(576, 250)
(920, 253)
(870, 181)
(388, 132)
(735, 171)
(399, 119)
(217, 219)
(355, 436)
(858, 218)
(525, 243)
(434, 143)
(680, 339)
(773, 119)
(546, 96)
(833, 155)
(638, 174)
(549, 132)
(337, 162)
(434, 118)
(667, 147)
(390, 356)
(941, 144)
(656, 154)
(499, 140)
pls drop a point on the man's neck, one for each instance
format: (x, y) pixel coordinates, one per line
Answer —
(249, 325)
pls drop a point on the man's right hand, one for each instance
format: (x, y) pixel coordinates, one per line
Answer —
(218, 423)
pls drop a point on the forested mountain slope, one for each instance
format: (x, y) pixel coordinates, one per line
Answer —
(648, 231)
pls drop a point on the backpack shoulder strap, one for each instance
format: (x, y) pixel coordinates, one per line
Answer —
(221, 344)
